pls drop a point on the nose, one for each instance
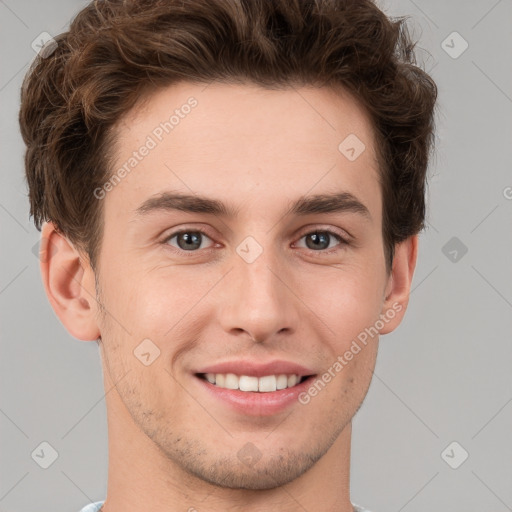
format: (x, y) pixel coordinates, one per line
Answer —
(259, 299)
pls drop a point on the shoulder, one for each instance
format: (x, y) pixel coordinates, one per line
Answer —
(92, 507)
(358, 508)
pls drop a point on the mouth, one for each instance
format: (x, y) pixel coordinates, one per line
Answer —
(262, 395)
(252, 383)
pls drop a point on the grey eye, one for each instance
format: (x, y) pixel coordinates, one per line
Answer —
(320, 240)
(188, 240)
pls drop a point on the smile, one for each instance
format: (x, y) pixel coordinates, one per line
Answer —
(249, 395)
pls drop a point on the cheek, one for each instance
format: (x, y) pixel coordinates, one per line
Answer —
(348, 300)
(158, 303)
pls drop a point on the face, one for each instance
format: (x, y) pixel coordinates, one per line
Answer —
(266, 271)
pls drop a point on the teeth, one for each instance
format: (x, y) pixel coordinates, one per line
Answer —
(248, 383)
(282, 381)
(264, 384)
(231, 381)
(268, 383)
(292, 380)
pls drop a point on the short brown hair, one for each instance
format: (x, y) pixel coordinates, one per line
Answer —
(117, 51)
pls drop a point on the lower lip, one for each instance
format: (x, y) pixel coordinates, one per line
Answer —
(256, 403)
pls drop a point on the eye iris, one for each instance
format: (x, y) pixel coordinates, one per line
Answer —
(192, 240)
(318, 240)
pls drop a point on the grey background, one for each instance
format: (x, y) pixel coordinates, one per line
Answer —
(444, 375)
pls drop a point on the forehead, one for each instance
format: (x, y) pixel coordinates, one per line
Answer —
(245, 145)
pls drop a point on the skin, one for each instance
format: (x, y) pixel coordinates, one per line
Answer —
(170, 446)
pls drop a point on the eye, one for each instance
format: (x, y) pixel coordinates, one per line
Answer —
(320, 240)
(187, 240)
(192, 240)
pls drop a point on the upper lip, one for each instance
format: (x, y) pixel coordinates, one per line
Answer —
(245, 367)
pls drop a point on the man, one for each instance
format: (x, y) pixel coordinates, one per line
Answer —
(230, 194)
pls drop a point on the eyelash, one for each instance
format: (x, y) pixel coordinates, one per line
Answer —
(342, 241)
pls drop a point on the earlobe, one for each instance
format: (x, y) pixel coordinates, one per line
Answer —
(399, 284)
(69, 284)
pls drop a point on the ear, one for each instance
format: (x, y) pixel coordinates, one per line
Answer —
(396, 296)
(69, 284)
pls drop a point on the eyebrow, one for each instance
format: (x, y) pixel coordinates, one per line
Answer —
(306, 205)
